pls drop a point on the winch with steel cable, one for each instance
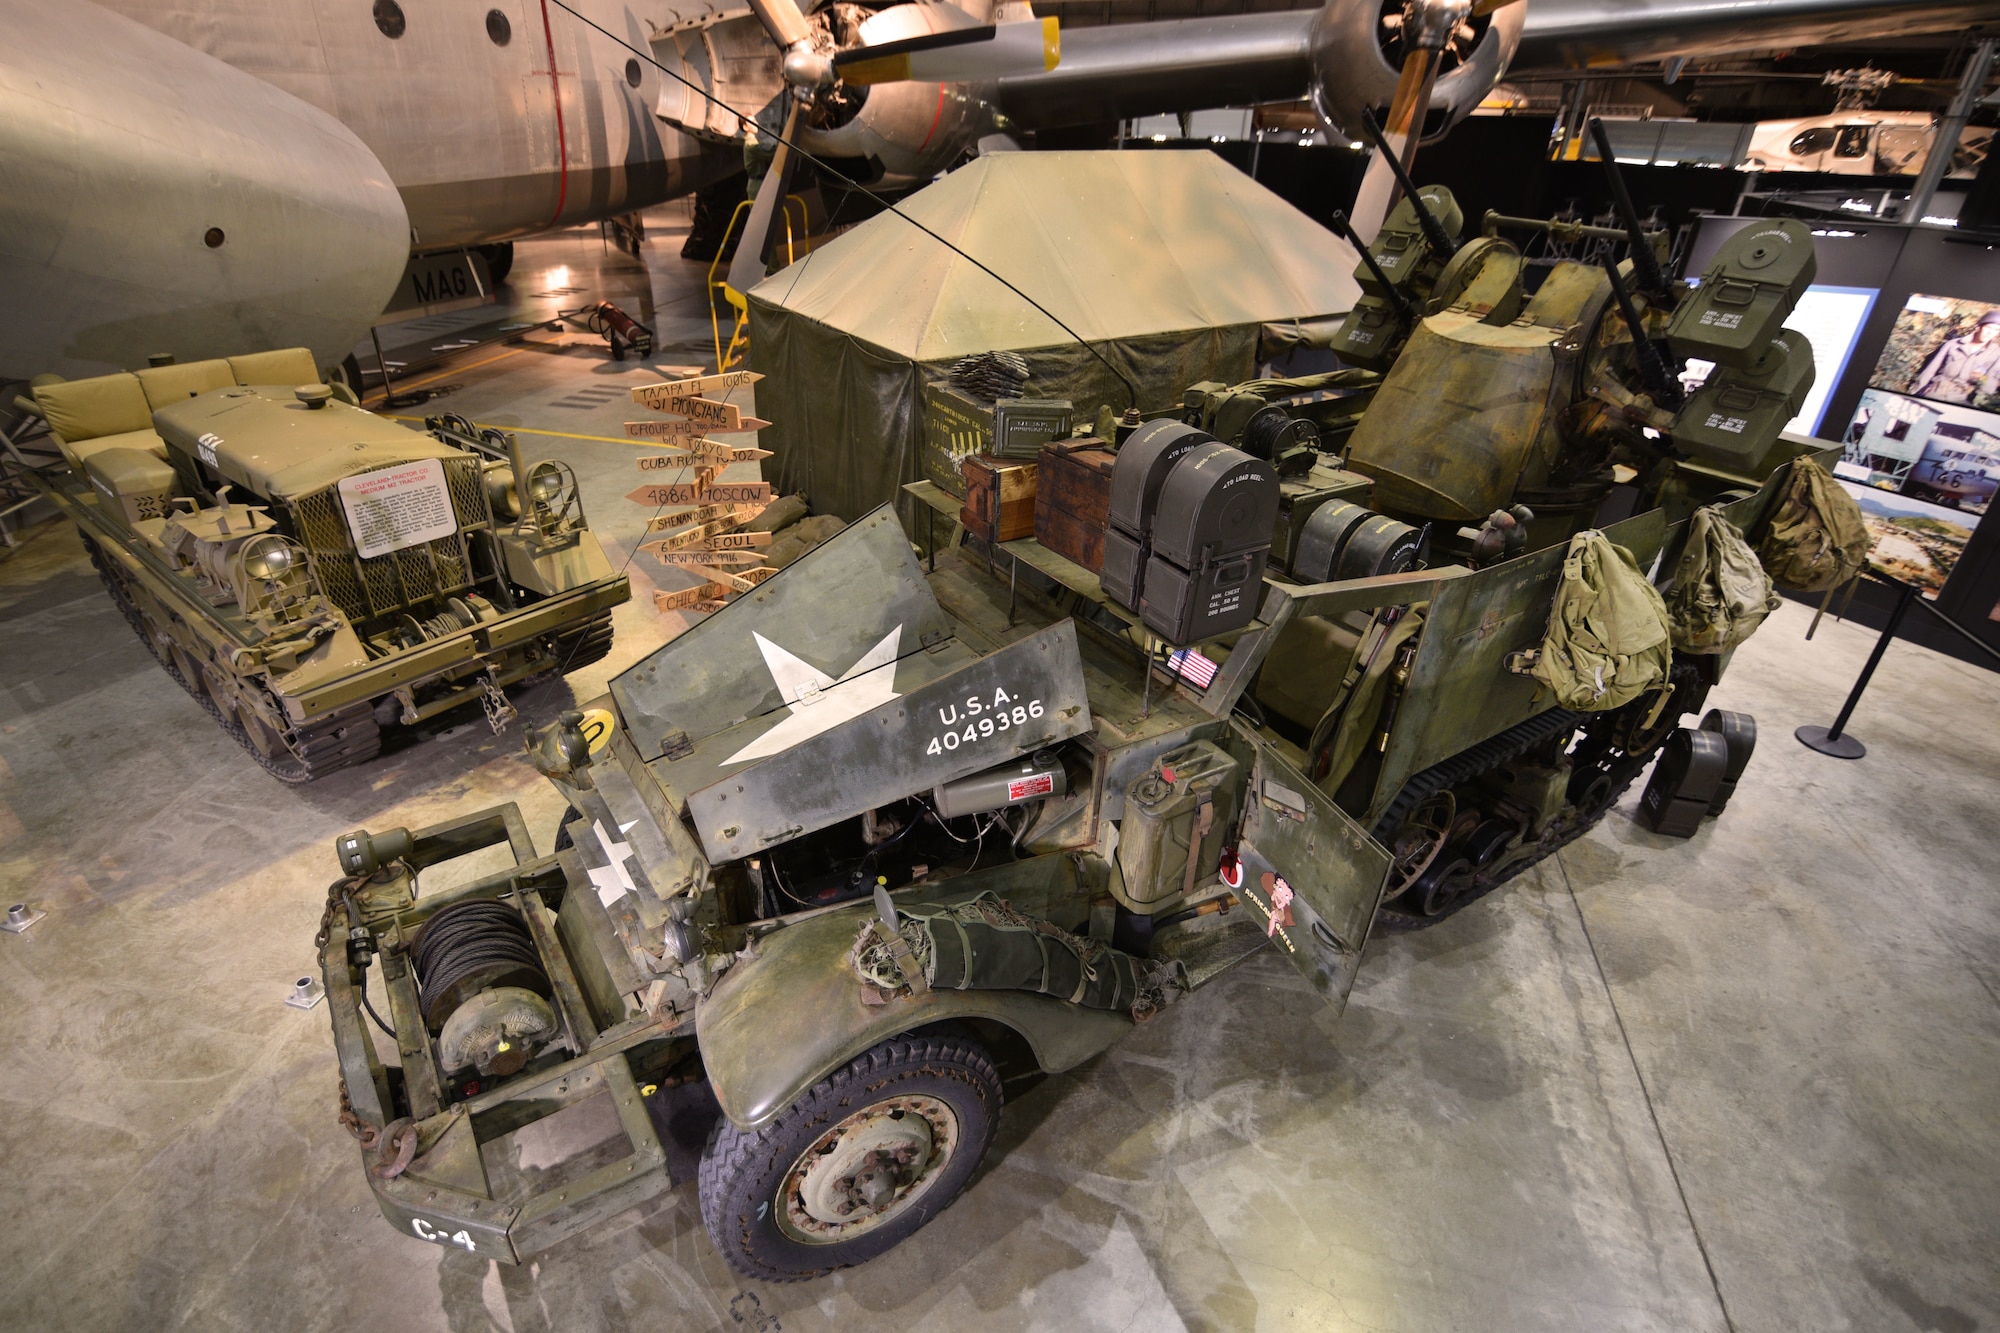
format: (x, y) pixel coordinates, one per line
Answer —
(485, 995)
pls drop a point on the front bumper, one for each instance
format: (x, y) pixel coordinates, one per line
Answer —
(446, 1193)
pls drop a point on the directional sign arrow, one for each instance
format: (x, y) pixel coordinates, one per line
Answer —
(652, 395)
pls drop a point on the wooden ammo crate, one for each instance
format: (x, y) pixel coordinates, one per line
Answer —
(999, 498)
(1073, 499)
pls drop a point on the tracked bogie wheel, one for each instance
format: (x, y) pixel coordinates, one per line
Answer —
(857, 1165)
(291, 754)
(577, 648)
(1435, 880)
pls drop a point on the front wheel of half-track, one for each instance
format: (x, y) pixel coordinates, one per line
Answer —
(857, 1165)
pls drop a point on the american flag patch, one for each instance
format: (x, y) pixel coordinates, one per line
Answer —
(1192, 667)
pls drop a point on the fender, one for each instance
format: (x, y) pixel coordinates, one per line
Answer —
(781, 1021)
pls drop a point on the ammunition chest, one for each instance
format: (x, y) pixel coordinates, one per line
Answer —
(956, 426)
(1073, 499)
(1021, 426)
(999, 498)
(1300, 499)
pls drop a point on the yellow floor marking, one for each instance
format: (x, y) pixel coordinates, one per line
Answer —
(470, 365)
(530, 430)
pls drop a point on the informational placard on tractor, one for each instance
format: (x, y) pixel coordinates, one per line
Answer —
(394, 507)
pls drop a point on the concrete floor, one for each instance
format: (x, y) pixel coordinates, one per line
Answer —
(1746, 1081)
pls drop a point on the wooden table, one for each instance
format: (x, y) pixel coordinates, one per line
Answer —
(938, 500)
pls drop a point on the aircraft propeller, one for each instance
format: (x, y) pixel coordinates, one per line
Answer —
(815, 66)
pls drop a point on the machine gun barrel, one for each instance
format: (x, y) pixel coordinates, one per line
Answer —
(1440, 243)
(1645, 264)
(1651, 368)
(1405, 308)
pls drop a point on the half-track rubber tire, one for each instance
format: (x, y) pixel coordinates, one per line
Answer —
(743, 1173)
(345, 736)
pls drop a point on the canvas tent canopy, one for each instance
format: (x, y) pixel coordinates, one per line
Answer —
(1169, 264)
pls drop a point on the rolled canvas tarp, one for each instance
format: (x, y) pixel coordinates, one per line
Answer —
(1167, 264)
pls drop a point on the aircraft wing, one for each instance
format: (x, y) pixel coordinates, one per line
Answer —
(1574, 34)
(1136, 69)
(1145, 69)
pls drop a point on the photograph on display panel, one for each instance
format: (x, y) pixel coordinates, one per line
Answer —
(1943, 349)
(1831, 318)
(1909, 540)
(1930, 451)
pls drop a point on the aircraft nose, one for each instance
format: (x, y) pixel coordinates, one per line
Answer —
(161, 200)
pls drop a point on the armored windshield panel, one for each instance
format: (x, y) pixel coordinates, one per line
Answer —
(838, 605)
(1325, 873)
(888, 740)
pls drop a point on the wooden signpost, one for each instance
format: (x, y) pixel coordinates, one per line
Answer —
(655, 396)
(704, 538)
(703, 514)
(727, 424)
(695, 451)
(706, 452)
(698, 559)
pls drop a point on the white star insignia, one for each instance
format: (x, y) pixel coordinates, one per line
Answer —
(612, 881)
(817, 701)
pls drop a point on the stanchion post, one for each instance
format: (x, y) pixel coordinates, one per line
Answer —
(1833, 740)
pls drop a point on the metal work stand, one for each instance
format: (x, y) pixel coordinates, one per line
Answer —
(17, 491)
(1834, 740)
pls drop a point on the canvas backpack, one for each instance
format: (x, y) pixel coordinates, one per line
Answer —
(1720, 593)
(1607, 641)
(1816, 540)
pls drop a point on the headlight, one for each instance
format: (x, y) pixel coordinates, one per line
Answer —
(268, 558)
(545, 483)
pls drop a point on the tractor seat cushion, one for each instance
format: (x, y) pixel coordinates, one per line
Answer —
(288, 366)
(90, 409)
(78, 451)
(167, 385)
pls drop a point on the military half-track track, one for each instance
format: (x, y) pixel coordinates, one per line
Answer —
(1445, 866)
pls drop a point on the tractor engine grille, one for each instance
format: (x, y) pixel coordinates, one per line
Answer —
(397, 580)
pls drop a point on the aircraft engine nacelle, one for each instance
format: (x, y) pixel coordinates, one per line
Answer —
(1353, 72)
(912, 129)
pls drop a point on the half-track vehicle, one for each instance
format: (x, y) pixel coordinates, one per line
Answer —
(313, 573)
(873, 837)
